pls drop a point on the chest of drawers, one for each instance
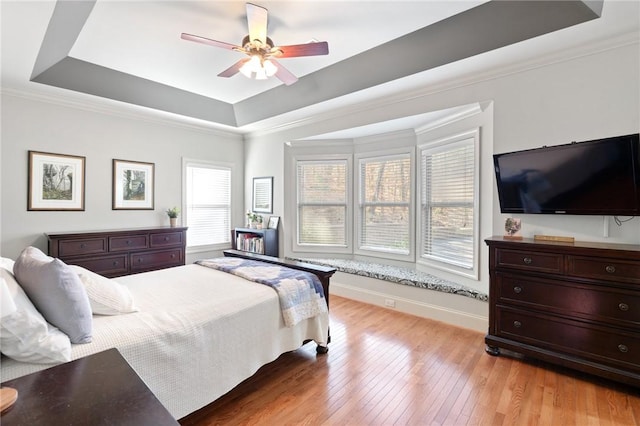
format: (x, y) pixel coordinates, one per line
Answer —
(121, 252)
(572, 304)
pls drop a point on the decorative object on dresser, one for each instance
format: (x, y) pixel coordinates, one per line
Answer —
(572, 304)
(173, 216)
(121, 252)
(133, 185)
(512, 228)
(261, 241)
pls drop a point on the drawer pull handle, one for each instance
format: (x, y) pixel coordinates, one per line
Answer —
(610, 269)
(83, 245)
(128, 242)
(623, 348)
(517, 289)
(527, 260)
(166, 238)
(115, 263)
(623, 307)
(517, 324)
(139, 260)
(173, 255)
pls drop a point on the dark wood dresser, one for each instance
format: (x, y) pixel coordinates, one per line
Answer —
(572, 304)
(121, 252)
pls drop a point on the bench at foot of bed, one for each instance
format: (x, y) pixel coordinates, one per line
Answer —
(324, 273)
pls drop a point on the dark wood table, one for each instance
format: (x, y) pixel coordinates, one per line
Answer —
(100, 389)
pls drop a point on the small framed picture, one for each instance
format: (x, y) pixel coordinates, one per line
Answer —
(132, 185)
(56, 182)
(273, 222)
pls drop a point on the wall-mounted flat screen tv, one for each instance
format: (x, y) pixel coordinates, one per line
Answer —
(598, 177)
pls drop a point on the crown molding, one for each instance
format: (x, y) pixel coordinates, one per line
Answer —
(123, 110)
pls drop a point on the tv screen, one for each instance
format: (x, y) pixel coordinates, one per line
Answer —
(599, 177)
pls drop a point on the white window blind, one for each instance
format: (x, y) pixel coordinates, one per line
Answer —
(322, 202)
(448, 185)
(385, 203)
(208, 204)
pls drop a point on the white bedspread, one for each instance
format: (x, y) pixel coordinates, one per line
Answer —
(198, 334)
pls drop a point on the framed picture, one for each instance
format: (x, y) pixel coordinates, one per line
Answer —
(273, 222)
(132, 185)
(56, 182)
(263, 194)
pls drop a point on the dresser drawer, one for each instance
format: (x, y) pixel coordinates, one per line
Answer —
(604, 269)
(82, 246)
(129, 242)
(591, 302)
(153, 259)
(109, 266)
(530, 260)
(166, 239)
(597, 343)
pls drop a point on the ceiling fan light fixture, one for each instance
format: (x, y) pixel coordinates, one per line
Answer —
(251, 67)
(258, 68)
(270, 68)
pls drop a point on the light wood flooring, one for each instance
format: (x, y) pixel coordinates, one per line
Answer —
(389, 368)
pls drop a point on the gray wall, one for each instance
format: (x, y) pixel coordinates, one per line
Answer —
(100, 136)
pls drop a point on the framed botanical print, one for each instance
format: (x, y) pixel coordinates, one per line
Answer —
(133, 185)
(56, 182)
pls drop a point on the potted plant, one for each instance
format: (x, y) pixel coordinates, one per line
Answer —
(253, 219)
(173, 216)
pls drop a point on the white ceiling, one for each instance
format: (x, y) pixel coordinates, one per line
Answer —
(142, 39)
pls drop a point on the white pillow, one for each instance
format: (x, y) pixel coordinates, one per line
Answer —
(24, 334)
(57, 293)
(106, 296)
(7, 264)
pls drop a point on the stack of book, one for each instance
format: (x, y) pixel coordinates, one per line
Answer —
(250, 242)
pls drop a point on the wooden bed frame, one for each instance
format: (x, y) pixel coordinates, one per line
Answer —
(323, 273)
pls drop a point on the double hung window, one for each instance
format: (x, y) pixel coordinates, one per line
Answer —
(322, 202)
(207, 204)
(449, 202)
(384, 213)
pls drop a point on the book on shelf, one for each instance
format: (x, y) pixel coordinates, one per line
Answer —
(250, 242)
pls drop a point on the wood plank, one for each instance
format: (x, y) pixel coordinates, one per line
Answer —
(386, 367)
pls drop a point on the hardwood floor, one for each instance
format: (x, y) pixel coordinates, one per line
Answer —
(386, 368)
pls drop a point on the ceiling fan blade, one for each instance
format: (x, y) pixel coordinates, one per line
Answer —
(284, 74)
(308, 49)
(208, 41)
(257, 19)
(233, 69)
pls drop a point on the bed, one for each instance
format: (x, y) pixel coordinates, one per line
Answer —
(198, 332)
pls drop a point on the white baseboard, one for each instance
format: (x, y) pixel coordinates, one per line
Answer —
(441, 312)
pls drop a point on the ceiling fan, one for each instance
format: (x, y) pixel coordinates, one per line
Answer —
(261, 50)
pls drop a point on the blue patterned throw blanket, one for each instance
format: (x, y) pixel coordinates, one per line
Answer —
(300, 293)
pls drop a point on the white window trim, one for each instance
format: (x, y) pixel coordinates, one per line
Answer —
(293, 208)
(206, 164)
(447, 143)
(389, 154)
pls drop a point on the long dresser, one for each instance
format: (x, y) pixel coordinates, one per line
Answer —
(572, 304)
(121, 252)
